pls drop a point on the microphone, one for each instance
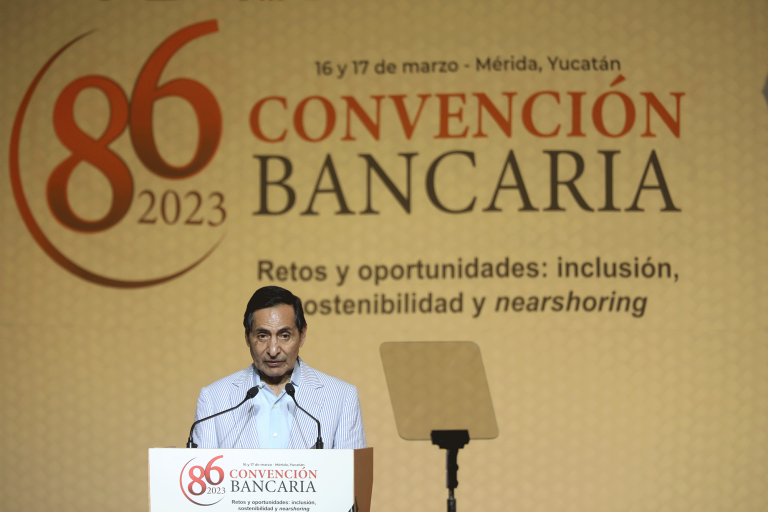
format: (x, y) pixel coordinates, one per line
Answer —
(291, 390)
(250, 394)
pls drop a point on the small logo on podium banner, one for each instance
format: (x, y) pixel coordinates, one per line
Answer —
(203, 486)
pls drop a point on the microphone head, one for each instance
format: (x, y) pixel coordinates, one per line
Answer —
(290, 389)
(252, 392)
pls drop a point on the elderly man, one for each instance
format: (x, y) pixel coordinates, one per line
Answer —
(275, 330)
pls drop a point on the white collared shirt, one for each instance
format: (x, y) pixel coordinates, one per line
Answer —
(274, 414)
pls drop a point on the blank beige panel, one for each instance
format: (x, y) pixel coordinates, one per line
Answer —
(438, 386)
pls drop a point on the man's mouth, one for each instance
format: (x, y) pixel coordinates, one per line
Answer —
(273, 364)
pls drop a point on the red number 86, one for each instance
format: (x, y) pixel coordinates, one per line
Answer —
(198, 479)
(96, 151)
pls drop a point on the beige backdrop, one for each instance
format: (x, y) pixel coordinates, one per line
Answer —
(597, 411)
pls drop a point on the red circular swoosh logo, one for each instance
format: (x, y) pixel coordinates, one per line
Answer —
(29, 220)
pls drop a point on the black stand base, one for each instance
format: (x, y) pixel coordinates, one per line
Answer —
(453, 441)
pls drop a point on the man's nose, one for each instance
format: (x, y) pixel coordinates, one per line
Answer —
(273, 348)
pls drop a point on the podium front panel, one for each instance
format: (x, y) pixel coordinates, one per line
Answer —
(209, 480)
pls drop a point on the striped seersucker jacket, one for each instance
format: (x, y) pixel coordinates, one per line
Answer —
(332, 401)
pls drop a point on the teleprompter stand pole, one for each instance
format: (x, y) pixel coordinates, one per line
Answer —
(453, 441)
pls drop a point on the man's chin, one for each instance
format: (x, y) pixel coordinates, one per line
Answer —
(273, 371)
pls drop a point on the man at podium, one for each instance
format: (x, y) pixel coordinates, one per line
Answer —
(275, 330)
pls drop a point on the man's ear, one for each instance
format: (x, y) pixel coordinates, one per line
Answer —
(303, 336)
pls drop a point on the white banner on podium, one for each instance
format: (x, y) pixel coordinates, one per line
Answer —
(258, 480)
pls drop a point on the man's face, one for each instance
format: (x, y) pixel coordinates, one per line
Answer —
(275, 341)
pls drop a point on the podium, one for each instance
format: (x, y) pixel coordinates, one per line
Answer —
(216, 480)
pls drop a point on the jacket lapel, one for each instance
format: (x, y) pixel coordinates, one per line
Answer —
(246, 435)
(310, 396)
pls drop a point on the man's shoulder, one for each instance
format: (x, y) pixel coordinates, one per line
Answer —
(315, 376)
(237, 379)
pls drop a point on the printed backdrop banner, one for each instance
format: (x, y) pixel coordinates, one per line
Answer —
(576, 186)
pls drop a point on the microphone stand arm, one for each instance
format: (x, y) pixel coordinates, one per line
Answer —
(319, 442)
(191, 444)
